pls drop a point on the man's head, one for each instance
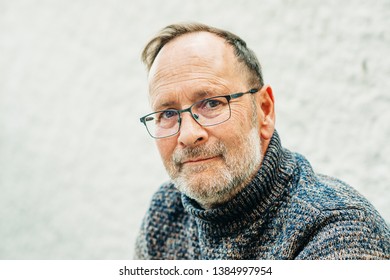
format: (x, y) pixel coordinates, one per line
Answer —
(244, 55)
(191, 62)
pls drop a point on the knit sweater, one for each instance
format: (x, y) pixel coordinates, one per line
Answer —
(286, 212)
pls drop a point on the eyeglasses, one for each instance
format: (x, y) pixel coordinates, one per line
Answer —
(206, 112)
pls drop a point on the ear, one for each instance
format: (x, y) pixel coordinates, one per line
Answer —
(266, 112)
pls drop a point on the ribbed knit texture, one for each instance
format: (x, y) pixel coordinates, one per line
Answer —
(286, 212)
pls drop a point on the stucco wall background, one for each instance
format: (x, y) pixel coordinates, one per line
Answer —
(77, 169)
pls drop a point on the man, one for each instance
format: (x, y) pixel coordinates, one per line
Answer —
(235, 192)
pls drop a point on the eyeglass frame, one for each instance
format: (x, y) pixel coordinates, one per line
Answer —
(189, 109)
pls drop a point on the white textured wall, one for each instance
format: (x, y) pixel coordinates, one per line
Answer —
(77, 169)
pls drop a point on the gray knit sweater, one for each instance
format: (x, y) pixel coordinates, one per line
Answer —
(286, 212)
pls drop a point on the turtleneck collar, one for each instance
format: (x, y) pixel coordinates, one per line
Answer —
(253, 201)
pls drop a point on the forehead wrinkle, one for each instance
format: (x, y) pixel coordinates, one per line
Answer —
(204, 87)
(167, 75)
(199, 95)
(171, 99)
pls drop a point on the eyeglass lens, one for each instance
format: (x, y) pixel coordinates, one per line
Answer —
(207, 112)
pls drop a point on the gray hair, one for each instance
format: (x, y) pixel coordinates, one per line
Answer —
(242, 52)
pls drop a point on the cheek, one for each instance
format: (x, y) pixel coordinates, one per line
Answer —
(241, 117)
(232, 132)
(166, 148)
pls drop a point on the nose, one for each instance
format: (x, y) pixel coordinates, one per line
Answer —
(191, 133)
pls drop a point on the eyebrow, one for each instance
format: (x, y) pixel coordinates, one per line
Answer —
(167, 104)
(199, 95)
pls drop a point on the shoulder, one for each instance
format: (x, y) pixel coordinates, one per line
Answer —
(326, 197)
(324, 192)
(337, 218)
(342, 202)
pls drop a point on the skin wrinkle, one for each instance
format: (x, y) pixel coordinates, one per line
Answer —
(211, 89)
(163, 87)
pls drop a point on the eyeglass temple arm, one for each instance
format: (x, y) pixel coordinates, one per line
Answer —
(237, 95)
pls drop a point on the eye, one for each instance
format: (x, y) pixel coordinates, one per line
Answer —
(211, 103)
(168, 114)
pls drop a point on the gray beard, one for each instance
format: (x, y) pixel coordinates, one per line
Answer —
(239, 167)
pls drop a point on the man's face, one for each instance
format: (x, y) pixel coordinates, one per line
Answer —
(208, 164)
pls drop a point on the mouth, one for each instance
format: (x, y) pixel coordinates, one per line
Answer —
(199, 160)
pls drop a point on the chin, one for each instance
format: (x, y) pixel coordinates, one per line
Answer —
(204, 187)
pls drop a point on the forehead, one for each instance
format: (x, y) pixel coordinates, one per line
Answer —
(196, 46)
(192, 64)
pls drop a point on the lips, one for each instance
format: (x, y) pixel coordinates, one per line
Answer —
(198, 160)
